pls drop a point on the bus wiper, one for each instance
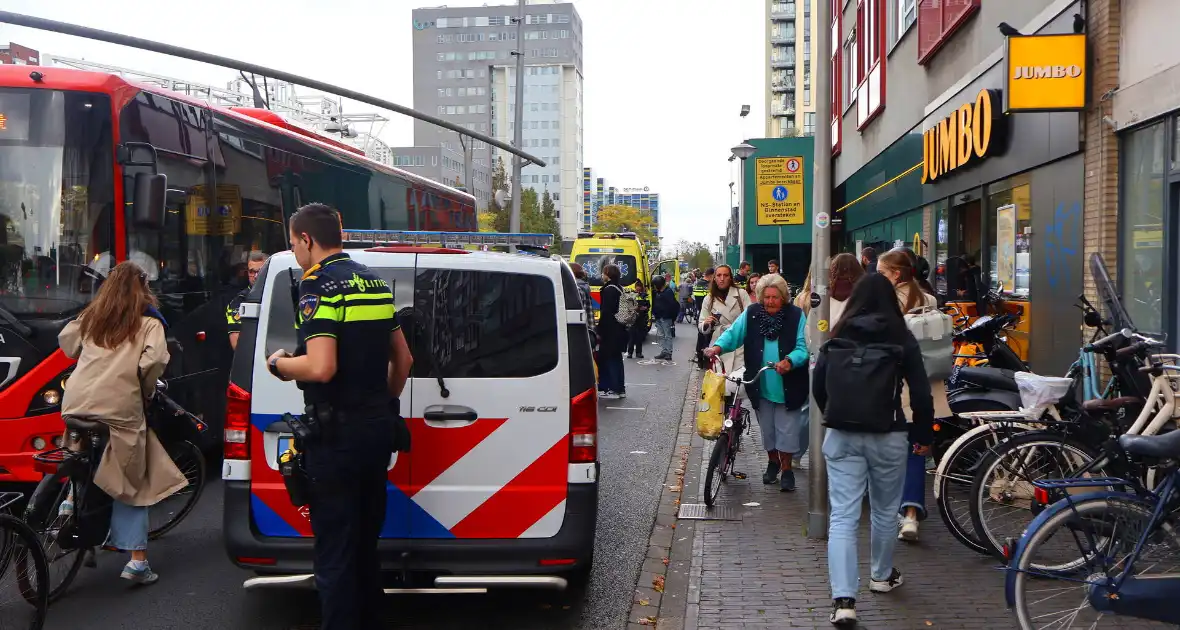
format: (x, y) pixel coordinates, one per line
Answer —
(20, 327)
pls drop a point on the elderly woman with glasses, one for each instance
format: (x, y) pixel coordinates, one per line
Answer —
(773, 331)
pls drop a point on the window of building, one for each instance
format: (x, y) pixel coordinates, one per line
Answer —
(557, 179)
(807, 96)
(556, 142)
(839, 75)
(434, 160)
(563, 34)
(903, 14)
(563, 19)
(545, 142)
(450, 91)
(870, 71)
(533, 124)
(1009, 239)
(1142, 258)
(938, 20)
(556, 160)
(544, 179)
(442, 109)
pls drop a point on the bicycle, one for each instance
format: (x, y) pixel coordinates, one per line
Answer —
(23, 559)
(1111, 561)
(69, 537)
(728, 443)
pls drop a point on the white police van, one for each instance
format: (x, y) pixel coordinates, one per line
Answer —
(500, 488)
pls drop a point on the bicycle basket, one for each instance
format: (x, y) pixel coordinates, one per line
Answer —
(1038, 393)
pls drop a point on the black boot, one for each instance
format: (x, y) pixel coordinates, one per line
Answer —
(771, 474)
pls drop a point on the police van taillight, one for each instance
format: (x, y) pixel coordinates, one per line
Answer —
(584, 427)
(237, 423)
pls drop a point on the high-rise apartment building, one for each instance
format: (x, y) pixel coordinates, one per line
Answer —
(597, 194)
(790, 103)
(465, 72)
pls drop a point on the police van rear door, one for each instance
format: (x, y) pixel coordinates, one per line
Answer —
(491, 459)
(271, 511)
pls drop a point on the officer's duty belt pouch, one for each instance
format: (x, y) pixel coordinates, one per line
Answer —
(295, 478)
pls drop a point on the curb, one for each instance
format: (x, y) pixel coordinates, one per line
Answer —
(662, 591)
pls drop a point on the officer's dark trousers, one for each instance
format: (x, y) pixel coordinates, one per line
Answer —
(348, 473)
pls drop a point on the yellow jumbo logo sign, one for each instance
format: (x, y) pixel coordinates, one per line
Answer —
(1046, 73)
(965, 136)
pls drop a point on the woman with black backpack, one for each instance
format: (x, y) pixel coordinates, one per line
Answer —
(868, 440)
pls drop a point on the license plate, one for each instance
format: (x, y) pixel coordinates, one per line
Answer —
(284, 444)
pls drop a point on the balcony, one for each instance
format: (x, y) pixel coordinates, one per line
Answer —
(782, 11)
(777, 109)
(782, 38)
(782, 86)
(782, 62)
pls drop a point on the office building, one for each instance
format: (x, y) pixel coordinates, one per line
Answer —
(598, 194)
(19, 55)
(790, 104)
(445, 166)
(464, 72)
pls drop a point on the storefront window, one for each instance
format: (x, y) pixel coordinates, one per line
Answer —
(942, 243)
(1008, 224)
(1141, 252)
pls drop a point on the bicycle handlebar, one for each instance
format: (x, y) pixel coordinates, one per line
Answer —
(738, 378)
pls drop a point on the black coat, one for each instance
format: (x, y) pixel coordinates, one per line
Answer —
(664, 305)
(612, 336)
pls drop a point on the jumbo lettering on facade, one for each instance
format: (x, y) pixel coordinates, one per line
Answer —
(963, 137)
(1047, 72)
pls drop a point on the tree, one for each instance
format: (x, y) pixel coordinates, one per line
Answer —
(626, 219)
(695, 255)
(501, 217)
(533, 217)
(487, 219)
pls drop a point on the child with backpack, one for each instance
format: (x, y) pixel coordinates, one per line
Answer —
(872, 352)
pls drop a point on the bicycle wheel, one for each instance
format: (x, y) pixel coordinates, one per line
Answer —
(1097, 537)
(956, 472)
(1002, 502)
(167, 514)
(43, 515)
(718, 461)
(24, 577)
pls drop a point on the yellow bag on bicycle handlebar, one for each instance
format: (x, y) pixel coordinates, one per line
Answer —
(711, 406)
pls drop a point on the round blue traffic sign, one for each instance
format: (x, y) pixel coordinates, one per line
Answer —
(780, 193)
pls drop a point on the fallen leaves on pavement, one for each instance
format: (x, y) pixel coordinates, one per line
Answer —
(657, 583)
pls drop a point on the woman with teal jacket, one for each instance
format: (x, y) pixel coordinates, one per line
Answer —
(774, 331)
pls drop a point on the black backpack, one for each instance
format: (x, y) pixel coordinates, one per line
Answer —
(862, 385)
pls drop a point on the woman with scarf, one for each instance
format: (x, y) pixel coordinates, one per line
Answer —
(773, 331)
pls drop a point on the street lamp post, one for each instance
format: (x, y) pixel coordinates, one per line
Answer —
(742, 152)
(821, 235)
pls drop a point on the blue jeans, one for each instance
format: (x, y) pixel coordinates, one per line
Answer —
(610, 372)
(664, 328)
(129, 527)
(914, 493)
(857, 462)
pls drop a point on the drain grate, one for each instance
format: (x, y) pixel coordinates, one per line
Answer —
(701, 512)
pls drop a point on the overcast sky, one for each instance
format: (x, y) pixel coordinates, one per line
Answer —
(664, 79)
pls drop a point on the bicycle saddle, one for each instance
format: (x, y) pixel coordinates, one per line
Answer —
(1111, 404)
(1163, 446)
(989, 377)
(89, 426)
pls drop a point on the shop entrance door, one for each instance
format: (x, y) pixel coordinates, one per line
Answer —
(966, 238)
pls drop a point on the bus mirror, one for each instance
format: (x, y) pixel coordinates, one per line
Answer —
(147, 204)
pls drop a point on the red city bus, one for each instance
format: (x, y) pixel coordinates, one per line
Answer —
(72, 144)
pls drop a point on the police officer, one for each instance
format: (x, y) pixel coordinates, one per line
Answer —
(233, 320)
(701, 289)
(348, 378)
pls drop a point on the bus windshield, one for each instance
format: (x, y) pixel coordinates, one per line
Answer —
(56, 198)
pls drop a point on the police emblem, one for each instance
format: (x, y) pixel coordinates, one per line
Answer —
(308, 305)
(237, 316)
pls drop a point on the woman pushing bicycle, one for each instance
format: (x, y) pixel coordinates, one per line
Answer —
(121, 349)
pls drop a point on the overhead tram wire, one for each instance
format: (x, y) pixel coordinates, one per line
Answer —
(65, 28)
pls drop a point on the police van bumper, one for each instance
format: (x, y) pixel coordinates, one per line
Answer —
(547, 563)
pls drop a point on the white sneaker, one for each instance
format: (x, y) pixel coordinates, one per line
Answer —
(608, 396)
(888, 584)
(909, 529)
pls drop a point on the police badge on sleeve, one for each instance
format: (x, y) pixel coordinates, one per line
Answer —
(308, 305)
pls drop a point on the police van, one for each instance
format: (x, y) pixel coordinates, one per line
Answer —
(500, 488)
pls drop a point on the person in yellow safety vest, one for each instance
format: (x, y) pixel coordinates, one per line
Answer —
(701, 289)
(743, 275)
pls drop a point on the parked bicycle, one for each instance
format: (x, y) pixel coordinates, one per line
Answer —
(24, 570)
(728, 444)
(69, 537)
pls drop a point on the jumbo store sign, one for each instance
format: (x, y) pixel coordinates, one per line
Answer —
(971, 133)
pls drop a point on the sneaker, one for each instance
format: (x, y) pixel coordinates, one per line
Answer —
(771, 474)
(843, 612)
(884, 586)
(604, 395)
(630, 356)
(619, 395)
(909, 529)
(787, 481)
(143, 576)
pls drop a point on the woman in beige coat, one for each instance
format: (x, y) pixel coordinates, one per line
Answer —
(121, 350)
(727, 301)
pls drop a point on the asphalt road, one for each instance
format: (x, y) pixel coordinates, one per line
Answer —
(200, 588)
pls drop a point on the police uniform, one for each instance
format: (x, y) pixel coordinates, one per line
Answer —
(347, 464)
(233, 319)
(700, 289)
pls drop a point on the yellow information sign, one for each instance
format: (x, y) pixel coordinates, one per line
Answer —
(779, 182)
(222, 218)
